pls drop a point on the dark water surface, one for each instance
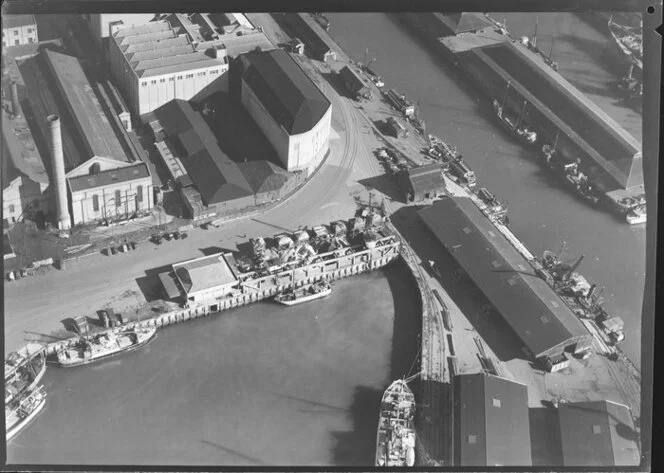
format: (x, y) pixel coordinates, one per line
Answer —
(542, 213)
(260, 385)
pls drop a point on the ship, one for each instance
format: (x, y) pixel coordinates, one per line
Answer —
(22, 410)
(24, 369)
(89, 349)
(522, 133)
(305, 294)
(628, 42)
(569, 172)
(637, 215)
(395, 442)
(447, 151)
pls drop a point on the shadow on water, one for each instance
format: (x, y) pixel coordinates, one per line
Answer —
(601, 51)
(236, 453)
(545, 442)
(356, 447)
(491, 327)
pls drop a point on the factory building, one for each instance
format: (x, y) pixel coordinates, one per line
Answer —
(200, 279)
(287, 106)
(99, 24)
(533, 310)
(179, 57)
(598, 434)
(19, 29)
(491, 421)
(94, 175)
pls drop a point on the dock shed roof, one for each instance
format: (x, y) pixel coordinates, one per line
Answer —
(204, 273)
(352, 80)
(216, 176)
(533, 310)
(289, 95)
(16, 21)
(465, 22)
(427, 178)
(597, 433)
(492, 421)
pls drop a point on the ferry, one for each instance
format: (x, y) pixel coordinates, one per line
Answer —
(637, 215)
(86, 350)
(24, 369)
(522, 133)
(305, 294)
(22, 411)
(395, 440)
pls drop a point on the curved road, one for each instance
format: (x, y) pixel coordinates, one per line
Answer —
(35, 307)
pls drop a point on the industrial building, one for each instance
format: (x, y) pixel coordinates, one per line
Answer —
(559, 112)
(200, 279)
(179, 57)
(19, 29)
(598, 434)
(491, 421)
(99, 24)
(422, 182)
(316, 47)
(527, 303)
(287, 106)
(94, 174)
(354, 83)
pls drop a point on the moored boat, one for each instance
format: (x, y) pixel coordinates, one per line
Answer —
(305, 294)
(22, 410)
(522, 133)
(112, 342)
(24, 369)
(395, 440)
(629, 42)
(637, 215)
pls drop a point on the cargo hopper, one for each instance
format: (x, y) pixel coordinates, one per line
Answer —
(395, 442)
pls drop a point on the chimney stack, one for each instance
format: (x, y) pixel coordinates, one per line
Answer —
(59, 184)
(16, 109)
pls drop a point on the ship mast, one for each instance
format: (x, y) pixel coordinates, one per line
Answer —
(507, 91)
(535, 34)
(523, 109)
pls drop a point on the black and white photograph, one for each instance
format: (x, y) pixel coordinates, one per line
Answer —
(345, 238)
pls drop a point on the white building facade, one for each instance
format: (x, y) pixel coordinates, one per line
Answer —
(19, 29)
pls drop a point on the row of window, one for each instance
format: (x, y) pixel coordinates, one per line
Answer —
(117, 199)
(186, 76)
(18, 41)
(30, 30)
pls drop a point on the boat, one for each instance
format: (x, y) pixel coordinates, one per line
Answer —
(19, 413)
(103, 345)
(628, 42)
(569, 172)
(24, 369)
(395, 440)
(522, 133)
(305, 294)
(637, 215)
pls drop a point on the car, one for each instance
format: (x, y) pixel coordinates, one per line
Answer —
(113, 250)
(176, 235)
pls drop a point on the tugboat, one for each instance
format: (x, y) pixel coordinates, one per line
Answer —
(20, 412)
(629, 42)
(106, 344)
(395, 442)
(23, 370)
(305, 294)
(637, 215)
(522, 133)
(570, 174)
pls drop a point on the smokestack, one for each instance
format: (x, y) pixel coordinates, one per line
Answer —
(59, 184)
(16, 109)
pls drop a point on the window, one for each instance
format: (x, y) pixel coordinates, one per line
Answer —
(15, 32)
(179, 77)
(118, 198)
(139, 193)
(144, 83)
(171, 79)
(597, 429)
(154, 82)
(17, 42)
(496, 402)
(29, 30)
(162, 80)
(12, 209)
(214, 71)
(472, 439)
(31, 40)
(95, 203)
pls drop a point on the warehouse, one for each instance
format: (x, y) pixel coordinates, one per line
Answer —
(535, 312)
(99, 24)
(286, 105)
(316, 47)
(491, 421)
(19, 29)
(200, 279)
(354, 83)
(423, 182)
(598, 433)
(83, 144)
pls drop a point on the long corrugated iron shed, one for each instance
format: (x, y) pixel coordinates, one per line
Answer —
(533, 310)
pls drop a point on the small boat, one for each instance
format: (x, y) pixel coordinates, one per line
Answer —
(24, 369)
(105, 344)
(305, 294)
(522, 133)
(19, 413)
(629, 42)
(395, 440)
(569, 172)
(637, 215)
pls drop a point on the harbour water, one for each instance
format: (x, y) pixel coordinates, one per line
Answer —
(261, 385)
(542, 213)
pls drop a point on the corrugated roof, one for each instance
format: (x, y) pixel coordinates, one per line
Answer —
(236, 45)
(465, 22)
(353, 81)
(204, 273)
(526, 302)
(285, 90)
(492, 421)
(15, 21)
(263, 176)
(111, 176)
(426, 178)
(597, 433)
(215, 175)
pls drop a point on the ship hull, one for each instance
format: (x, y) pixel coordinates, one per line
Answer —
(17, 427)
(72, 363)
(398, 399)
(303, 299)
